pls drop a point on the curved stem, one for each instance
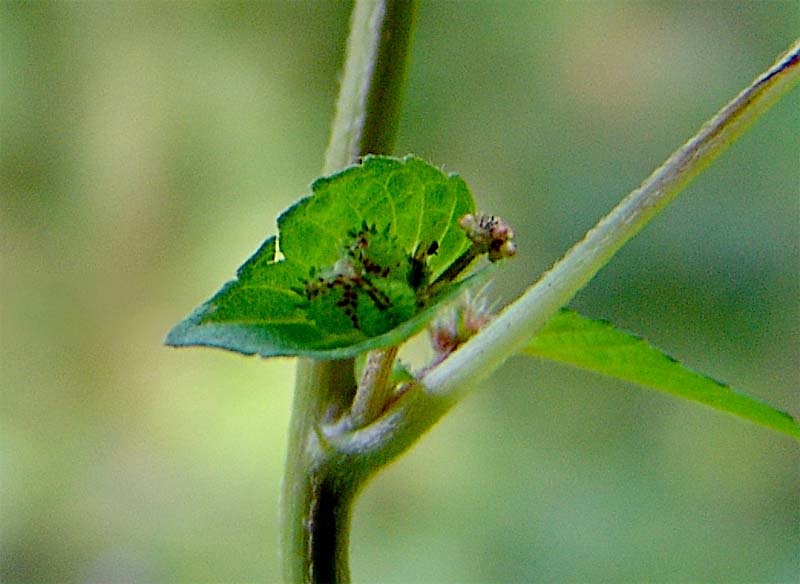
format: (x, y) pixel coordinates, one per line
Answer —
(417, 410)
(522, 319)
(315, 506)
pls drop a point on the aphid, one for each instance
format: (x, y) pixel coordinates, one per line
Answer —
(371, 267)
(351, 278)
(418, 272)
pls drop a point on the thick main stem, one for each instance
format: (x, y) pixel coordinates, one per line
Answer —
(315, 506)
(308, 544)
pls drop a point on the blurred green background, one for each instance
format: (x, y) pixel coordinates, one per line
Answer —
(146, 149)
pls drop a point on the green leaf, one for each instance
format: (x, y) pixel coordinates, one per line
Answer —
(351, 269)
(597, 346)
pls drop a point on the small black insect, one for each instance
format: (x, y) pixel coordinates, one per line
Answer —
(418, 272)
(370, 268)
(352, 277)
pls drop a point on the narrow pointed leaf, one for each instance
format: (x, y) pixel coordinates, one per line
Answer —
(349, 270)
(597, 346)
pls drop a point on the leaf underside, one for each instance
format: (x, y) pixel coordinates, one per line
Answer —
(350, 269)
(597, 346)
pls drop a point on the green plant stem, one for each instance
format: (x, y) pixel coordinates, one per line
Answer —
(418, 409)
(368, 105)
(307, 555)
(315, 503)
(514, 327)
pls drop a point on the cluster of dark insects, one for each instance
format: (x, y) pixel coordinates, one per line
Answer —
(361, 268)
(373, 264)
(418, 273)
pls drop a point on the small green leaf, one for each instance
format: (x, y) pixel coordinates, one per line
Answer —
(351, 269)
(597, 346)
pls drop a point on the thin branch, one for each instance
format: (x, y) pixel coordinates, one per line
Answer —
(420, 407)
(373, 390)
(522, 319)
